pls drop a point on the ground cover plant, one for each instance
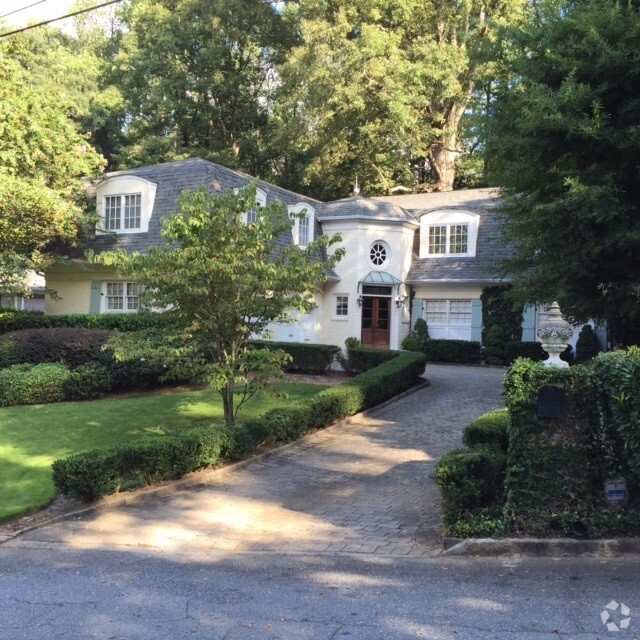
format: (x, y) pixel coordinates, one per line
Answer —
(33, 436)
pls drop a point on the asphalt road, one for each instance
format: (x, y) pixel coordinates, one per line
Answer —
(51, 592)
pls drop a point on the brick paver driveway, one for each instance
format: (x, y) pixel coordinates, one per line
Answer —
(362, 488)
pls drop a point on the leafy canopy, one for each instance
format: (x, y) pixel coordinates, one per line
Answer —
(222, 281)
(43, 159)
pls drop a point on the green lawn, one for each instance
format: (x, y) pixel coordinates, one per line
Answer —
(31, 437)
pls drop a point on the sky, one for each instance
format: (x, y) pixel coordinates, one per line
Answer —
(42, 11)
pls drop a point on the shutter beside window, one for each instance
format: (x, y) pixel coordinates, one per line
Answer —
(476, 320)
(417, 310)
(529, 324)
(96, 296)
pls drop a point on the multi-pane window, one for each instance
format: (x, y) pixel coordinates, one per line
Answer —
(448, 312)
(122, 296)
(112, 208)
(458, 238)
(438, 239)
(342, 306)
(132, 211)
(448, 239)
(123, 212)
(303, 231)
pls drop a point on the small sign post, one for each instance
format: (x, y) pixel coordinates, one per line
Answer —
(615, 490)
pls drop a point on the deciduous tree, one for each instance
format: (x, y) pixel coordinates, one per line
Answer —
(220, 282)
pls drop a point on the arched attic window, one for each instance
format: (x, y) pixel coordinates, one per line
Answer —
(448, 234)
(304, 223)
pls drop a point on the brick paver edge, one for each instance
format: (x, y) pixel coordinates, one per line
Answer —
(200, 478)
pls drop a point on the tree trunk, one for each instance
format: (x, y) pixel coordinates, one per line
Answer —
(442, 158)
(227, 404)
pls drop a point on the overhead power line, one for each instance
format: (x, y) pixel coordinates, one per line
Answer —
(69, 15)
(22, 9)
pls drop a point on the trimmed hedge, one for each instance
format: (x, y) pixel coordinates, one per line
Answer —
(307, 358)
(490, 428)
(494, 346)
(360, 359)
(557, 468)
(97, 472)
(531, 350)
(18, 320)
(456, 351)
(469, 480)
(87, 382)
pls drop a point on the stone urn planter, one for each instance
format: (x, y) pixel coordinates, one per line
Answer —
(555, 333)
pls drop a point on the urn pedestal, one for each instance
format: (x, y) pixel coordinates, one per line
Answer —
(555, 333)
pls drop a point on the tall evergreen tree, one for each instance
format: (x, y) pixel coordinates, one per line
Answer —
(564, 145)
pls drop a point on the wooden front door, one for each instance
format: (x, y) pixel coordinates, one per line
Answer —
(376, 316)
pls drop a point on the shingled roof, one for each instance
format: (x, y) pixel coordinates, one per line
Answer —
(172, 178)
(490, 249)
(358, 207)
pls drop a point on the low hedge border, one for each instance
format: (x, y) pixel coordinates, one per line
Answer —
(97, 472)
(11, 320)
(307, 358)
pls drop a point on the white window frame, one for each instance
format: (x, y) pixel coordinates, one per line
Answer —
(447, 323)
(308, 210)
(336, 302)
(123, 296)
(387, 248)
(120, 187)
(123, 212)
(449, 219)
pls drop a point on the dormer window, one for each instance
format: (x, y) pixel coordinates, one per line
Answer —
(449, 239)
(123, 212)
(253, 215)
(125, 204)
(448, 233)
(303, 224)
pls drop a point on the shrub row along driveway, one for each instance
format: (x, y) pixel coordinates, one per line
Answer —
(361, 488)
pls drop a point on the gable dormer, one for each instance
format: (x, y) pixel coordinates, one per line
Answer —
(449, 233)
(125, 204)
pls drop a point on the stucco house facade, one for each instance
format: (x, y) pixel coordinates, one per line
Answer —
(407, 256)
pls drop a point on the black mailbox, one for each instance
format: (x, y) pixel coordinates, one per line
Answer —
(552, 403)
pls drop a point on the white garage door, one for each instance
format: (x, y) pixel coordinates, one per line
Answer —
(450, 319)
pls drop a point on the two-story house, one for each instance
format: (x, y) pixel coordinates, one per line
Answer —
(408, 256)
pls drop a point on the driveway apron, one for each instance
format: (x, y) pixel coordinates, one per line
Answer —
(364, 487)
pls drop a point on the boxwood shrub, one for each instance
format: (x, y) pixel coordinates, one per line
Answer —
(32, 384)
(91, 474)
(491, 428)
(470, 480)
(307, 358)
(87, 382)
(454, 351)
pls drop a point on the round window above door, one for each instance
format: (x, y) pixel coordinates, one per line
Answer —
(379, 254)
